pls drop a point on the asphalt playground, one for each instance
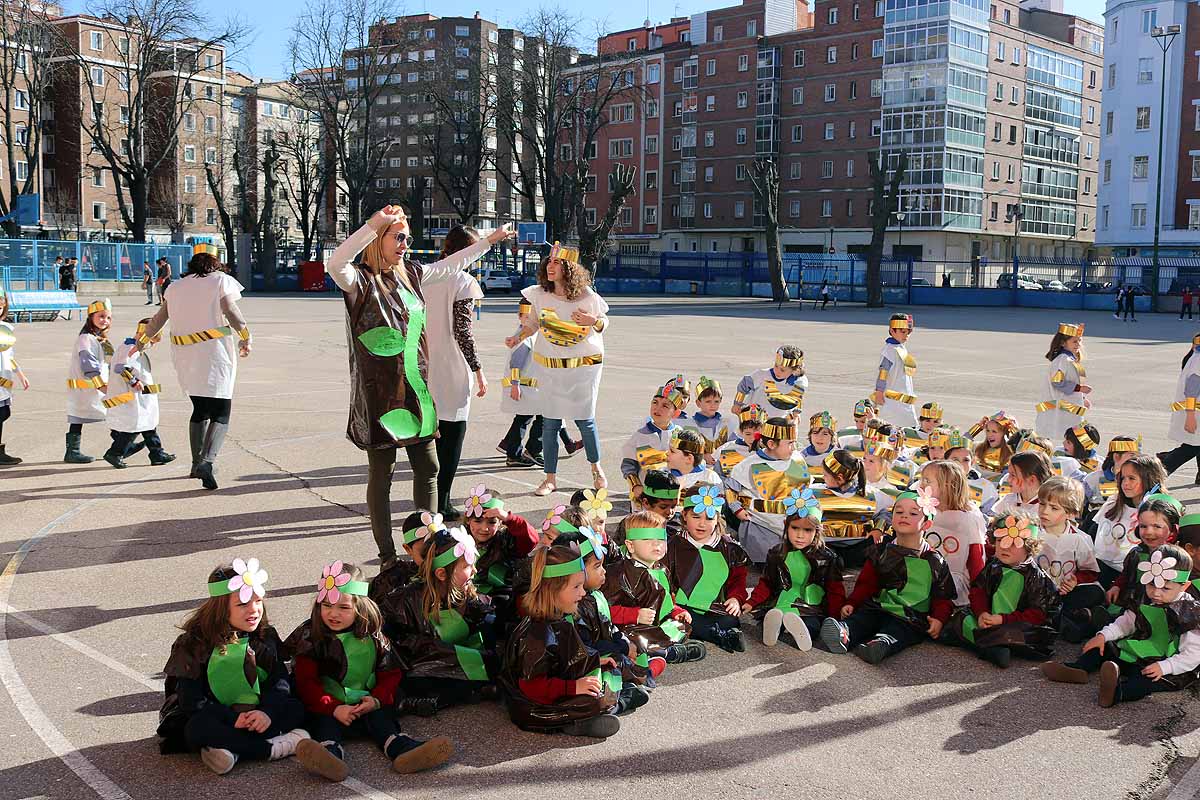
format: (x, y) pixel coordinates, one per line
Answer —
(100, 565)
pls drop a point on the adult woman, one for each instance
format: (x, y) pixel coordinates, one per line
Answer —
(390, 402)
(568, 357)
(454, 368)
(1184, 429)
(204, 351)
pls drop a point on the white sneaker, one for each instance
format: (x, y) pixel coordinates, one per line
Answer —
(284, 744)
(771, 623)
(799, 631)
(218, 760)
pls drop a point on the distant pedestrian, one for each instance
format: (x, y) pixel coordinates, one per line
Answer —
(945, 280)
(1186, 302)
(164, 278)
(824, 295)
(148, 282)
(66, 274)
(1119, 300)
(1130, 296)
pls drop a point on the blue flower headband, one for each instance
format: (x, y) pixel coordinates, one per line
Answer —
(706, 500)
(803, 503)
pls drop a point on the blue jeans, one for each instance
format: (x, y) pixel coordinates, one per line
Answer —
(550, 429)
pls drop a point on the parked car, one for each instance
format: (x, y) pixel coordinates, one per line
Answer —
(1090, 286)
(495, 279)
(1024, 281)
(1055, 286)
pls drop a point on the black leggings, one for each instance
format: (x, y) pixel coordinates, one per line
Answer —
(449, 451)
(1174, 459)
(422, 459)
(5, 413)
(215, 409)
(208, 728)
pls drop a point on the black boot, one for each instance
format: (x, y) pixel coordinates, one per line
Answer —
(1000, 656)
(6, 460)
(213, 439)
(417, 706)
(73, 456)
(196, 431)
(120, 445)
(158, 456)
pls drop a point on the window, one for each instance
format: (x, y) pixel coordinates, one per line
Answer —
(710, 138)
(1141, 167)
(1137, 215)
(675, 142)
(651, 144)
(125, 115)
(752, 28)
(189, 121)
(708, 210)
(743, 63)
(210, 155)
(1012, 134)
(1087, 153)
(1149, 20)
(798, 96)
(708, 174)
(1087, 185)
(97, 40)
(1000, 51)
(879, 8)
(1104, 217)
(652, 179)
(877, 48)
(829, 131)
(97, 76)
(876, 128)
(1016, 59)
(994, 212)
(876, 87)
(852, 129)
(797, 133)
(1007, 16)
(831, 55)
(830, 92)
(1112, 76)
(210, 124)
(1015, 97)
(1196, 168)
(1108, 123)
(710, 67)
(850, 168)
(710, 103)
(1107, 170)
(651, 108)
(743, 99)
(653, 73)
(739, 208)
(189, 153)
(854, 51)
(98, 212)
(741, 135)
(189, 184)
(796, 169)
(798, 58)
(621, 113)
(650, 215)
(794, 208)
(999, 91)
(1145, 70)
(826, 169)
(1143, 118)
(995, 170)
(855, 13)
(1194, 218)
(1011, 173)
(620, 148)
(210, 60)
(832, 16)
(826, 208)
(718, 33)
(1092, 79)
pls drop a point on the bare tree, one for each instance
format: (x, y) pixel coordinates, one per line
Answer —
(215, 176)
(418, 190)
(764, 175)
(345, 71)
(266, 227)
(307, 174)
(27, 44)
(154, 59)
(594, 240)
(885, 193)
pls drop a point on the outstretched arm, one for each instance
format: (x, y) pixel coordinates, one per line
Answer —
(229, 307)
(155, 325)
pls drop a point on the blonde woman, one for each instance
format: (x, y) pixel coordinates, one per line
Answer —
(390, 401)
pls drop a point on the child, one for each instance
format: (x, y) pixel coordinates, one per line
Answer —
(1154, 647)
(993, 453)
(132, 402)
(903, 594)
(647, 448)
(913, 439)
(852, 438)
(930, 418)
(595, 505)
(1101, 484)
(801, 581)
(983, 492)
(933, 448)
(348, 676)
(1116, 524)
(501, 537)
(442, 630)
(686, 459)
(708, 571)
(707, 421)
(87, 377)
(638, 593)
(1066, 386)
(894, 394)
(553, 682)
(10, 372)
(1027, 471)
(660, 495)
(878, 455)
(959, 529)
(849, 508)
(1060, 463)
(211, 705)
(1157, 524)
(761, 482)
(386, 587)
(730, 454)
(1069, 558)
(1189, 534)
(778, 390)
(1012, 599)
(1080, 443)
(822, 439)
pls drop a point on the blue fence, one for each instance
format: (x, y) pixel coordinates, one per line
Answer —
(29, 263)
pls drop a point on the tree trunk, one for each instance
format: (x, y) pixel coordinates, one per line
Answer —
(885, 201)
(269, 262)
(764, 176)
(593, 240)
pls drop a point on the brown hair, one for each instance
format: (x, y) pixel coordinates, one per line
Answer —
(1006, 451)
(1110, 459)
(951, 480)
(209, 623)
(1065, 491)
(818, 539)
(441, 593)
(1056, 346)
(1073, 438)
(1033, 464)
(368, 619)
(460, 237)
(792, 352)
(693, 439)
(575, 278)
(93, 329)
(1032, 546)
(1149, 469)
(709, 391)
(202, 264)
(538, 602)
(854, 464)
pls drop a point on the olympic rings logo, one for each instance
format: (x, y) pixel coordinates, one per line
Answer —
(947, 545)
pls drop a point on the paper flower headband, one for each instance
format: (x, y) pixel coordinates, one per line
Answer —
(1015, 531)
(927, 502)
(592, 544)
(336, 581)
(802, 503)
(553, 518)
(706, 500)
(430, 524)
(596, 503)
(249, 581)
(1161, 570)
(464, 548)
(481, 500)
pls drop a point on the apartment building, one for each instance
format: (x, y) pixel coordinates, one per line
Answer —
(1133, 121)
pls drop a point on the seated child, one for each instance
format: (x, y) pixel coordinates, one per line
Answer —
(1189, 534)
(647, 448)
(959, 529)
(686, 460)
(385, 587)
(728, 455)
(502, 539)
(761, 482)
(932, 449)
(780, 389)
(638, 593)
(822, 439)
(853, 515)
(210, 704)
(801, 581)
(707, 420)
(553, 682)
(1069, 558)
(1101, 484)
(903, 594)
(1116, 521)
(883, 472)
(911, 440)
(983, 492)
(708, 570)
(659, 495)
(852, 438)
(348, 676)
(1012, 601)
(1027, 471)
(1157, 524)
(1080, 443)
(1154, 647)
(992, 454)
(1060, 463)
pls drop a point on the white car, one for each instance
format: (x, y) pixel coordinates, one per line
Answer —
(495, 279)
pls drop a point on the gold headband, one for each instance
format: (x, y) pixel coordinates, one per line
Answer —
(939, 439)
(883, 448)
(752, 413)
(99, 305)
(1082, 435)
(1071, 328)
(783, 433)
(822, 420)
(783, 361)
(204, 247)
(931, 411)
(695, 448)
(905, 324)
(834, 467)
(563, 253)
(1122, 446)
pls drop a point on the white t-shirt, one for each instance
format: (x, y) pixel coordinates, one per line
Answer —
(451, 381)
(209, 368)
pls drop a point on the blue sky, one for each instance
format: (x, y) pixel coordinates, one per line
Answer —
(267, 56)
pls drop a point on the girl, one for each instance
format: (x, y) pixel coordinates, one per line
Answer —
(1183, 428)
(10, 372)
(132, 403)
(801, 581)
(1116, 526)
(1027, 471)
(501, 537)
(707, 420)
(87, 377)
(1068, 556)
(730, 454)
(1080, 443)
(1157, 524)
(227, 688)
(442, 630)
(568, 357)
(386, 587)
(1066, 393)
(708, 571)
(959, 529)
(1101, 484)
(454, 369)
(822, 438)
(390, 403)
(903, 594)
(993, 453)
(347, 676)
(894, 393)
(852, 438)
(878, 455)
(686, 460)
(983, 492)
(849, 507)
(553, 682)
(760, 484)
(205, 317)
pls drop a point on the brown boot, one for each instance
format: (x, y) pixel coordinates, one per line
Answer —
(1061, 673)
(1110, 676)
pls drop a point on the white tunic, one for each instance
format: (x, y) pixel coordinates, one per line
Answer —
(953, 534)
(139, 413)
(1053, 423)
(760, 478)
(899, 379)
(1187, 386)
(86, 405)
(8, 375)
(451, 381)
(1067, 553)
(1115, 538)
(209, 368)
(778, 397)
(567, 392)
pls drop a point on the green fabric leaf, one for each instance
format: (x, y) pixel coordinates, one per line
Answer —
(401, 423)
(383, 341)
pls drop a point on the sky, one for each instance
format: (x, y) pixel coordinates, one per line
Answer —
(267, 55)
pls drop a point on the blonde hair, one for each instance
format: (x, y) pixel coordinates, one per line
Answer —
(818, 538)
(951, 481)
(441, 593)
(539, 601)
(373, 257)
(1065, 491)
(644, 519)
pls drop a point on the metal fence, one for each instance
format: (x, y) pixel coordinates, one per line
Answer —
(30, 262)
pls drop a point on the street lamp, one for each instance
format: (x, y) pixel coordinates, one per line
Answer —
(1164, 37)
(104, 228)
(1014, 217)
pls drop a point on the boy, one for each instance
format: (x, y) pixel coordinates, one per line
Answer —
(659, 495)
(822, 438)
(851, 439)
(894, 393)
(708, 421)
(132, 402)
(730, 454)
(685, 459)
(780, 388)
(760, 483)
(1068, 556)
(647, 448)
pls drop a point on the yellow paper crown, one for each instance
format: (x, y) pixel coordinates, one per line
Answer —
(1119, 446)
(901, 324)
(1071, 328)
(1030, 446)
(99, 305)
(883, 448)
(783, 361)
(822, 420)
(706, 382)
(862, 407)
(931, 411)
(204, 247)
(784, 433)
(695, 448)
(939, 439)
(752, 413)
(563, 253)
(1082, 435)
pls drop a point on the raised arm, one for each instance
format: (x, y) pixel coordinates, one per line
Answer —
(340, 264)
(457, 262)
(155, 325)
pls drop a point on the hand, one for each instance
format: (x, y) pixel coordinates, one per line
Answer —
(1112, 594)
(514, 391)
(243, 349)
(481, 382)
(1068, 584)
(24, 381)
(733, 607)
(746, 609)
(879, 398)
(935, 628)
(511, 341)
(1189, 424)
(846, 611)
(608, 661)
(1153, 672)
(254, 721)
(1094, 643)
(1087, 402)
(136, 386)
(645, 616)
(588, 686)
(637, 493)
(345, 715)
(876, 535)
(367, 705)
(685, 616)
(742, 514)
(990, 620)
(633, 653)
(583, 318)
(385, 218)
(505, 231)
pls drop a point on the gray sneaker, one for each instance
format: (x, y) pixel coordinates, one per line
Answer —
(217, 759)
(835, 636)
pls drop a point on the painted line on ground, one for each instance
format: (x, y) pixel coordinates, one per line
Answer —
(1188, 787)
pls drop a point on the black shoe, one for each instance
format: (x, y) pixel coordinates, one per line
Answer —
(204, 471)
(1071, 632)
(873, 651)
(631, 698)
(417, 706)
(733, 641)
(6, 460)
(160, 457)
(136, 447)
(519, 460)
(114, 459)
(684, 652)
(537, 459)
(1000, 656)
(600, 727)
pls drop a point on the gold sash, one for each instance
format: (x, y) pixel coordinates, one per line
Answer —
(560, 331)
(906, 399)
(202, 336)
(568, 363)
(86, 383)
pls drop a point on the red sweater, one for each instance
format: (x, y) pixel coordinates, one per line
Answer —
(867, 586)
(318, 701)
(982, 604)
(523, 534)
(546, 690)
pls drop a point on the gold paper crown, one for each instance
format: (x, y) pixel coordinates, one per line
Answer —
(752, 413)
(1119, 446)
(822, 420)
(782, 361)
(902, 324)
(99, 305)
(939, 439)
(677, 391)
(784, 433)
(1082, 435)
(956, 440)
(834, 467)
(931, 411)
(1071, 328)
(204, 247)
(883, 448)
(706, 382)
(563, 253)
(1030, 446)
(695, 448)
(862, 407)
